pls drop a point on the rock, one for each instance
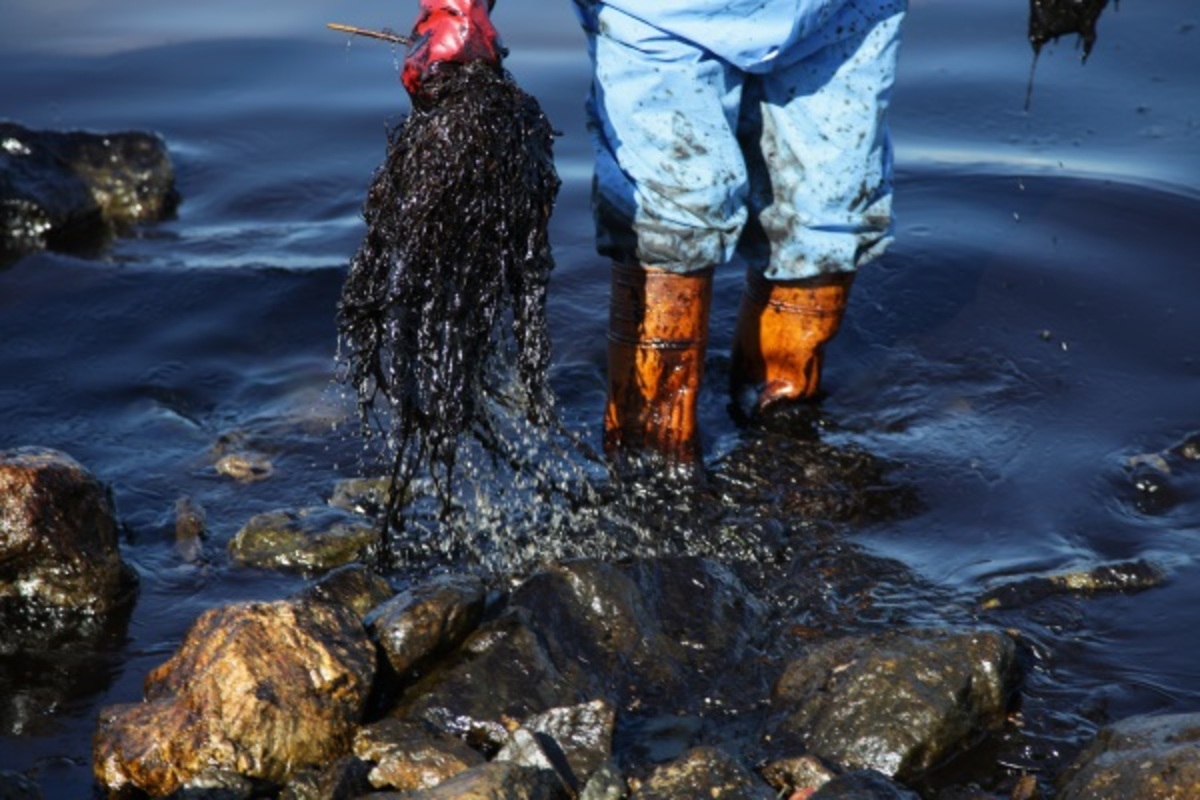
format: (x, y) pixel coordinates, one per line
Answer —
(344, 779)
(354, 586)
(427, 620)
(15, 786)
(58, 535)
(796, 774)
(258, 689)
(71, 191)
(862, 785)
(502, 672)
(575, 741)
(666, 626)
(898, 702)
(528, 749)
(309, 540)
(215, 784)
(656, 632)
(409, 756)
(606, 783)
(1129, 576)
(492, 781)
(702, 772)
(1140, 758)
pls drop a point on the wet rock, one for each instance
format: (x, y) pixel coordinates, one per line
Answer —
(1136, 758)
(1129, 576)
(71, 191)
(797, 774)
(702, 772)
(606, 783)
(428, 619)
(898, 702)
(501, 672)
(257, 689)
(354, 586)
(310, 539)
(58, 535)
(862, 785)
(15, 786)
(492, 781)
(344, 779)
(657, 632)
(574, 741)
(408, 756)
(215, 784)
(654, 624)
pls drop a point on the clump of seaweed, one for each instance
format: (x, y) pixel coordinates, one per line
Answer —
(442, 315)
(1051, 19)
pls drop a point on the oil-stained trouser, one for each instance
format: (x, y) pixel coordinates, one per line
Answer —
(756, 127)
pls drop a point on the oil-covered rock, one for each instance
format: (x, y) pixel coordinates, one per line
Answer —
(256, 689)
(1141, 757)
(58, 535)
(898, 702)
(72, 191)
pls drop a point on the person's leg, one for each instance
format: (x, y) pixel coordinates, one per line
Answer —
(821, 165)
(669, 201)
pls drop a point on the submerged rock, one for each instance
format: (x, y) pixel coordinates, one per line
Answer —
(14, 786)
(427, 620)
(58, 535)
(256, 689)
(898, 702)
(310, 539)
(1130, 576)
(71, 191)
(1140, 758)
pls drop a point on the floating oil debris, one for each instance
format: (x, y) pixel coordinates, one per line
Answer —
(1051, 19)
(442, 315)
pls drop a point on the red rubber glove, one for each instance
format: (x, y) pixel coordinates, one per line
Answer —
(449, 30)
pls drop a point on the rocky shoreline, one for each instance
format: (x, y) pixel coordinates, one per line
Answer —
(662, 676)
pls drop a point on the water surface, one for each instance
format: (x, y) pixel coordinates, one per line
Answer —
(1033, 329)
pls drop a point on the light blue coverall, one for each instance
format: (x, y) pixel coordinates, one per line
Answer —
(748, 126)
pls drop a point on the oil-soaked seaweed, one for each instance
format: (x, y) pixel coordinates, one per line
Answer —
(442, 314)
(1051, 19)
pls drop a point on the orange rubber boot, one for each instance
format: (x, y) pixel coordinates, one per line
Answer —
(781, 331)
(657, 335)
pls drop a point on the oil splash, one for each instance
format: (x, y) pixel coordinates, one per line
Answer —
(1052, 19)
(442, 324)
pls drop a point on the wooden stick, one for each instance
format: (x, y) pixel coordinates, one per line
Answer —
(385, 35)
